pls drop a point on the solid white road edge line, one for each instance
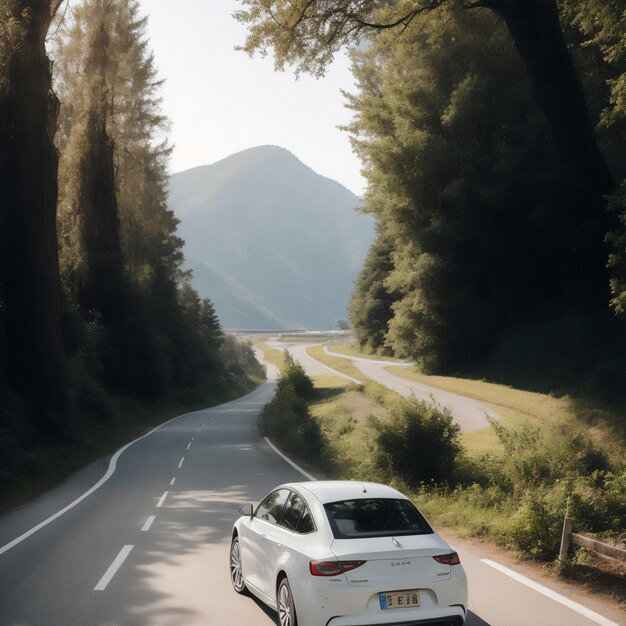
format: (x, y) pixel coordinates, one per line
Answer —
(119, 559)
(181, 462)
(162, 500)
(110, 471)
(146, 526)
(173, 481)
(553, 595)
(296, 467)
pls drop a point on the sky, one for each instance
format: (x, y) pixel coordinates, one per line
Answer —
(221, 101)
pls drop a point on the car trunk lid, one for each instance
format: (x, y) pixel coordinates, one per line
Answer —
(394, 562)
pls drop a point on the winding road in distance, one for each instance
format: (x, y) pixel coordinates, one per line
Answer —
(150, 544)
(469, 414)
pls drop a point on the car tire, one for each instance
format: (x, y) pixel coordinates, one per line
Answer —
(236, 574)
(286, 607)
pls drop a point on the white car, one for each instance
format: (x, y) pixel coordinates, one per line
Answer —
(345, 553)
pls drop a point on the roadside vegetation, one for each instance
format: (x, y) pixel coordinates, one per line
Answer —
(514, 490)
(101, 333)
(101, 422)
(288, 420)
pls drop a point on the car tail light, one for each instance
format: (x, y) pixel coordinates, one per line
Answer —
(332, 568)
(448, 559)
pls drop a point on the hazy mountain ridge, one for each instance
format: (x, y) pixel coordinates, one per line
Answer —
(270, 239)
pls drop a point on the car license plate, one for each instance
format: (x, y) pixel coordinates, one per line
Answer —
(399, 599)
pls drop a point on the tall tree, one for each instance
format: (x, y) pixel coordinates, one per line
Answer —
(469, 190)
(120, 252)
(371, 304)
(28, 200)
(308, 33)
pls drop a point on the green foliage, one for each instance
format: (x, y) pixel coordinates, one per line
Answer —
(288, 419)
(370, 307)
(297, 377)
(521, 497)
(11, 31)
(151, 334)
(466, 199)
(534, 458)
(617, 259)
(418, 442)
(534, 528)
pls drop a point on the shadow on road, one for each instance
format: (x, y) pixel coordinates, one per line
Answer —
(474, 620)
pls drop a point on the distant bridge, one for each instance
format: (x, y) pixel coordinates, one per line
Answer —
(284, 332)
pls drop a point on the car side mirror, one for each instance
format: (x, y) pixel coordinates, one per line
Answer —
(246, 509)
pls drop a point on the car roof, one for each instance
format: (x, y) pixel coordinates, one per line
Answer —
(334, 490)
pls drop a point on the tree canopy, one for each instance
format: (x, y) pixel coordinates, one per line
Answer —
(92, 280)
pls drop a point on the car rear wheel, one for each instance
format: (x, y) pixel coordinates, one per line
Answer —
(236, 576)
(286, 607)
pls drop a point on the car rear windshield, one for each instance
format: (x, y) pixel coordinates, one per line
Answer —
(375, 517)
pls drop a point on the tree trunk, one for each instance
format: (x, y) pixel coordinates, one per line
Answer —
(28, 197)
(101, 286)
(535, 28)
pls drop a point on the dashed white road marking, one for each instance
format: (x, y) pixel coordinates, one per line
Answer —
(188, 445)
(162, 500)
(146, 527)
(110, 471)
(173, 480)
(117, 563)
(181, 462)
(553, 595)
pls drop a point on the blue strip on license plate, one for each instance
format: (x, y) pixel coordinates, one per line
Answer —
(399, 599)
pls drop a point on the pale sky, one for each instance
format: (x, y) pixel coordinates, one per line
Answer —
(221, 101)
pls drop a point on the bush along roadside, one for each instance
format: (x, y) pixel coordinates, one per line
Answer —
(517, 496)
(287, 419)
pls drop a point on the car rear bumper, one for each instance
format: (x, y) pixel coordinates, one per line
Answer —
(450, 616)
(323, 603)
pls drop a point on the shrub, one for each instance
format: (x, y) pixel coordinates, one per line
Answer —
(287, 418)
(534, 458)
(419, 442)
(296, 376)
(535, 528)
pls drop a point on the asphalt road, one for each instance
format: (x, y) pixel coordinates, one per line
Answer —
(150, 545)
(177, 570)
(470, 414)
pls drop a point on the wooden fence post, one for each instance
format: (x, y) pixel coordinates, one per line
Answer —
(565, 538)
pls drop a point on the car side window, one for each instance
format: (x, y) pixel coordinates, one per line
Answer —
(297, 516)
(271, 509)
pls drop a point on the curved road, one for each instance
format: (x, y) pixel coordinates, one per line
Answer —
(470, 414)
(150, 545)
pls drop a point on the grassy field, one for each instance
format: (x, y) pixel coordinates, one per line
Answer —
(371, 388)
(270, 354)
(350, 349)
(516, 407)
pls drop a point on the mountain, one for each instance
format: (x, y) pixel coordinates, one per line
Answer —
(272, 243)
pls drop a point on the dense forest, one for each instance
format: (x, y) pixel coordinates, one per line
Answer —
(492, 135)
(96, 310)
